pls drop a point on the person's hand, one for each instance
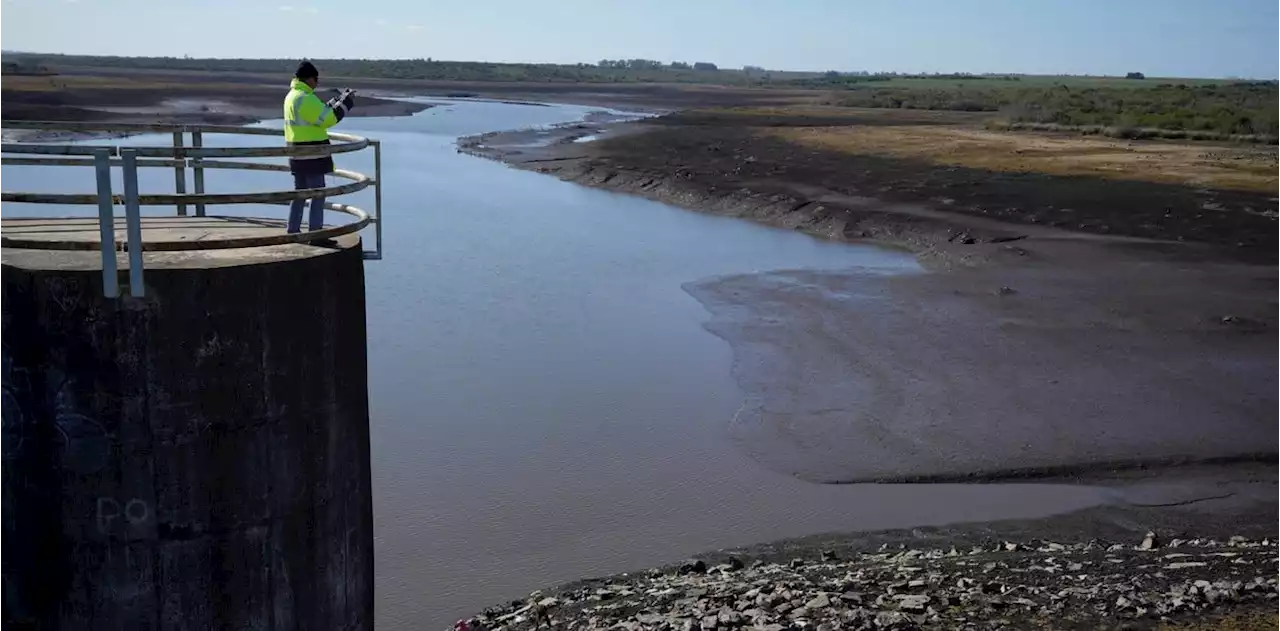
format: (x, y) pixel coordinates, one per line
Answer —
(349, 99)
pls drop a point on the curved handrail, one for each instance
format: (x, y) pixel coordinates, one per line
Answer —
(362, 220)
(359, 182)
(179, 157)
(346, 143)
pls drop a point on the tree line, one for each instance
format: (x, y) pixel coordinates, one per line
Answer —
(651, 64)
(427, 69)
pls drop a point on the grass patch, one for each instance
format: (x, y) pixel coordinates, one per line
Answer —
(1226, 110)
(1197, 165)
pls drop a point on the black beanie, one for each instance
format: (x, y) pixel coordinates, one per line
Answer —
(306, 70)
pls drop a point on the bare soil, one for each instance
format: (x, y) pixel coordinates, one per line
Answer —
(1232, 167)
(134, 98)
(1208, 194)
(1086, 319)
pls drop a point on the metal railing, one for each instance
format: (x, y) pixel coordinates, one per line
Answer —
(181, 157)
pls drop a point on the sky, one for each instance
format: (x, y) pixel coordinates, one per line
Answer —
(1170, 38)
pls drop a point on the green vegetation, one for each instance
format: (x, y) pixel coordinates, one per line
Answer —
(1243, 109)
(15, 68)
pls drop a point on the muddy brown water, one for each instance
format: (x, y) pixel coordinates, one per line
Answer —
(546, 403)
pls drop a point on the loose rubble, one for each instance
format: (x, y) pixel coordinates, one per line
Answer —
(1003, 584)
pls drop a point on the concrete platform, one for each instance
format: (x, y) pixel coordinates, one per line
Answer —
(161, 231)
(195, 458)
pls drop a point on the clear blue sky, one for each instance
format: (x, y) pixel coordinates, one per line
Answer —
(1189, 38)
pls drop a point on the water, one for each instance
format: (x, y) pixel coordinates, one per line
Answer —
(545, 403)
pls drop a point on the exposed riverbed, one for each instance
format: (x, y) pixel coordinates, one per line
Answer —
(546, 402)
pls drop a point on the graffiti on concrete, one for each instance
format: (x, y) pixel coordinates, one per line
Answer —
(86, 446)
(83, 443)
(12, 418)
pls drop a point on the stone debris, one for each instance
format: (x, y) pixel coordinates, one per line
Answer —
(1003, 584)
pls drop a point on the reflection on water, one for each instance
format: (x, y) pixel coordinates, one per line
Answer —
(545, 402)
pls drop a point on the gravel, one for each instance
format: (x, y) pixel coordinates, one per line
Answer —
(1004, 584)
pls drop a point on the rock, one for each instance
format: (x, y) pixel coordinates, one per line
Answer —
(729, 617)
(828, 556)
(800, 612)
(1009, 546)
(650, 619)
(697, 566)
(914, 603)
(1150, 542)
(819, 602)
(734, 564)
(549, 601)
(710, 623)
(890, 619)
(796, 564)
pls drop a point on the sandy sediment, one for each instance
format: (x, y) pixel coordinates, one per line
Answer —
(1032, 351)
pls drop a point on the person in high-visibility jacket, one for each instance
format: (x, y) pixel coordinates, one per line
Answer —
(306, 118)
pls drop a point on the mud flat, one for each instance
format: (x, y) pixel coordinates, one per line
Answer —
(1075, 324)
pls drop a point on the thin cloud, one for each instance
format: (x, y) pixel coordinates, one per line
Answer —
(312, 10)
(414, 27)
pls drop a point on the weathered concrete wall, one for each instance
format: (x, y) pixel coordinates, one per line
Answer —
(198, 459)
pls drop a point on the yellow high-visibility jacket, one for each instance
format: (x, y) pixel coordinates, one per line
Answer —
(306, 118)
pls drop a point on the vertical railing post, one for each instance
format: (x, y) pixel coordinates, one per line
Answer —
(197, 171)
(133, 222)
(377, 194)
(179, 172)
(106, 223)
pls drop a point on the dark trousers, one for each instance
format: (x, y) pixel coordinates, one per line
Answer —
(301, 181)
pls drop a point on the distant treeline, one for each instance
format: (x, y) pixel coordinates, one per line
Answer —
(23, 68)
(427, 69)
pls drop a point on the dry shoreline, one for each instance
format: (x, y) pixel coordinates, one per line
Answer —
(1088, 323)
(1029, 352)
